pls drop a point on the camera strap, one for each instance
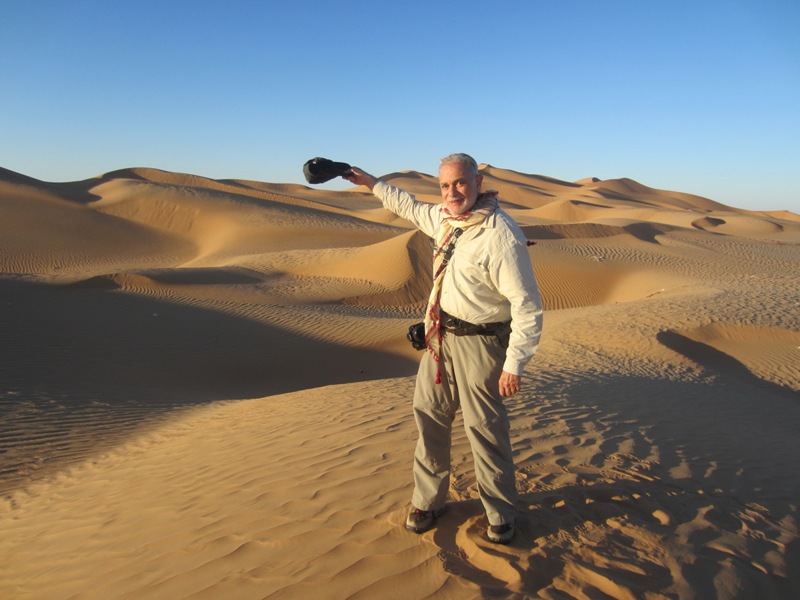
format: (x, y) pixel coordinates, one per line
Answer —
(448, 251)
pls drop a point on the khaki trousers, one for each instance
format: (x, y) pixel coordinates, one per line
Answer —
(471, 368)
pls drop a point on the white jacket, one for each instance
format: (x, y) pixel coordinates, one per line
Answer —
(489, 277)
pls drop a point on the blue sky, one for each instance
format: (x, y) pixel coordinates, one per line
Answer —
(694, 96)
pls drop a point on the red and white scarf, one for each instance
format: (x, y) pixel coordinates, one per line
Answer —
(484, 206)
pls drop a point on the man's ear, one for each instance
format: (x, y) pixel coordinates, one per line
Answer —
(479, 180)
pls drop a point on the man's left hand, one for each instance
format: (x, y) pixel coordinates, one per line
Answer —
(509, 384)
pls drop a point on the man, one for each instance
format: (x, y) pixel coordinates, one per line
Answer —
(482, 326)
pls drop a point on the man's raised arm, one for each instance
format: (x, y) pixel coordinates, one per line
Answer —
(358, 177)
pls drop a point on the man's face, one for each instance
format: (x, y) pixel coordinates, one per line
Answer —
(460, 187)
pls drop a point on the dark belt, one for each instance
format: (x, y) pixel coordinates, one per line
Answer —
(456, 326)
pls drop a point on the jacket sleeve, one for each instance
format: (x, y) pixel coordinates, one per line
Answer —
(514, 277)
(424, 216)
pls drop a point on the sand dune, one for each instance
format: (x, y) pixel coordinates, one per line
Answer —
(205, 390)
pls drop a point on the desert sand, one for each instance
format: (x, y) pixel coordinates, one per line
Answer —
(205, 391)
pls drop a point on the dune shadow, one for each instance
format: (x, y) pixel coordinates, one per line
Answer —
(648, 232)
(85, 366)
(542, 232)
(203, 276)
(716, 360)
(708, 223)
(571, 231)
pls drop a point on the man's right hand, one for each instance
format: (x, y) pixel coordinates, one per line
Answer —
(358, 177)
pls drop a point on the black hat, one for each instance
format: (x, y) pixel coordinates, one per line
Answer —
(320, 170)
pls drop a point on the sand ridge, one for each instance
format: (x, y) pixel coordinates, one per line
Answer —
(206, 393)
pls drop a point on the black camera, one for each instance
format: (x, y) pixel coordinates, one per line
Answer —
(416, 335)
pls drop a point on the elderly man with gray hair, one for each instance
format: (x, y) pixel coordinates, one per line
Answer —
(482, 326)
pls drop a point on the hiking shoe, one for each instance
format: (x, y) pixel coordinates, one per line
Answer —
(420, 521)
(501, 534)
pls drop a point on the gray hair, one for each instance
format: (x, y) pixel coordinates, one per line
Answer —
(460, 158)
